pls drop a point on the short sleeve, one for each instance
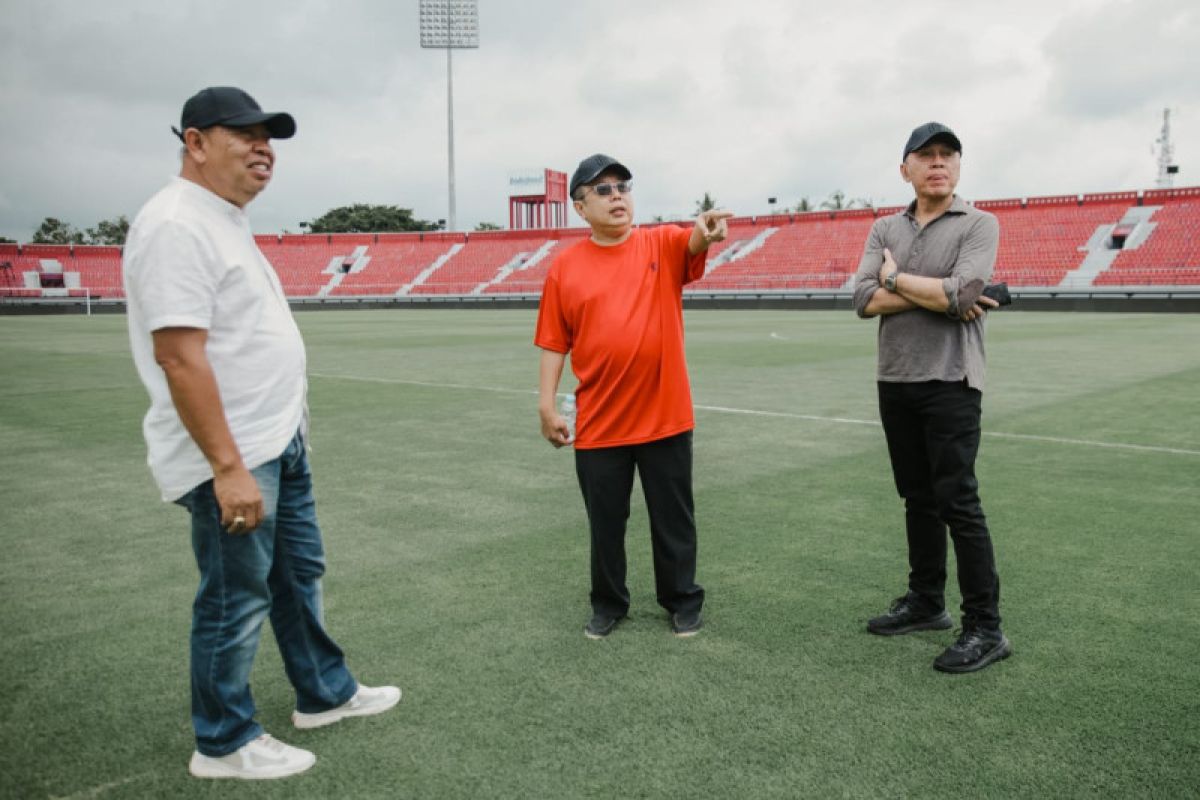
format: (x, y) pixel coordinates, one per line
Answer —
(693, 265)
(552, 332)
(674, 243)
(173, 277)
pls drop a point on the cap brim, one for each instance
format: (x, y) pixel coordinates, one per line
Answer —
(279, 124)
(945, 135)
(616, 166)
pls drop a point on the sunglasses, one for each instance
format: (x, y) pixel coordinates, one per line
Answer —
(606, 189)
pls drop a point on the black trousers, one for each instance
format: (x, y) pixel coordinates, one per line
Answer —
(606, 479)
(932, 431)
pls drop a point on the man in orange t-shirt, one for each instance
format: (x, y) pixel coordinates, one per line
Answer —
(614, 302)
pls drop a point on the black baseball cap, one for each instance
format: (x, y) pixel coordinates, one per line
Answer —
(924, 134)
(233, 108)
(593, 167)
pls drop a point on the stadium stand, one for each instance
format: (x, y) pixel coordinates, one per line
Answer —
(1171, 254)
(814, 250)
(529, 279)
(99, 271)
(487, 261)
(1044, 240)
(12, 276)
(301, 261)
(395, 262)
(1112, 239)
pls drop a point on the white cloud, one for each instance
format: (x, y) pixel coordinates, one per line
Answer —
(748, 100)
(1125, 57)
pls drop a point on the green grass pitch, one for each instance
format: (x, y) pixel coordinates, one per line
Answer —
(458, 569)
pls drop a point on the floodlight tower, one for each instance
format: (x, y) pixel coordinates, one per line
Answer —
(1167, 169)
(450, 24)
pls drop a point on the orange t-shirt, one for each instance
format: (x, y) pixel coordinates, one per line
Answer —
(619, 312)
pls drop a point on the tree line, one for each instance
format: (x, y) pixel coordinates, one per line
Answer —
(837, 201)
(363, 218)
(107, 231)
(355, 218)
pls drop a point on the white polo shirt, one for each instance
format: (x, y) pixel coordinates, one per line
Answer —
(191, 262)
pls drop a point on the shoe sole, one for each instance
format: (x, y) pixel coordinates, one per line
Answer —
(999, 654)
(686, 634)
(938, 624)
(312, 721)
(597, 636)
(208, 770)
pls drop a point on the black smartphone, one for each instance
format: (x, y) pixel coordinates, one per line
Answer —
(999, 293)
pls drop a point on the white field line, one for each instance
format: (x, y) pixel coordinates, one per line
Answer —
(96, 791)
(1144, 448)
(787, 415)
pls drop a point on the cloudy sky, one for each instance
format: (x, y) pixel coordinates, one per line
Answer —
(746, 99)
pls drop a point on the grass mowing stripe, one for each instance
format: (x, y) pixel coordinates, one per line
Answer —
(778, 415)
(429, 384)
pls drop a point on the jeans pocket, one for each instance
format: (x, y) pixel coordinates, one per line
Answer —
(187, 500)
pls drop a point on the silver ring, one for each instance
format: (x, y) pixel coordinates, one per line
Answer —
(239, 521)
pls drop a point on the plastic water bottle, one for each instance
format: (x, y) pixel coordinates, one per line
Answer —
(567, 411)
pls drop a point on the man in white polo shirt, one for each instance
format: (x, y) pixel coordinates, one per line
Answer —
(216, 346)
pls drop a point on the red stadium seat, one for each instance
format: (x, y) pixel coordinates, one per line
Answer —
(1170, 256)
(1041, 240)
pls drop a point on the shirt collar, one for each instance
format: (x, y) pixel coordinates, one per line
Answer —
(211, 199)
(957, 206)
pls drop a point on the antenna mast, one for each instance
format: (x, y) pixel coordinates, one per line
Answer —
(1166, 154)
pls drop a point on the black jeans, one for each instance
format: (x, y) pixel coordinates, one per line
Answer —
(606, 479)
(932, 431)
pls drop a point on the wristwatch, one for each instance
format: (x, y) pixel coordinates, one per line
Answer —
(889, 282)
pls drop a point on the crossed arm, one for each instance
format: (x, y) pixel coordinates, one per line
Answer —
(957, 295)
(918, 291)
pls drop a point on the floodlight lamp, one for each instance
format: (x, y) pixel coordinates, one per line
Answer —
(449, 23)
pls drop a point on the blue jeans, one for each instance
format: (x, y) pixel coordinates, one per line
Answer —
(273, 571)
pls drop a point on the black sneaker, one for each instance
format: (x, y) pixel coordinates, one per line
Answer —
(906, 615)
(686, 623)
(974, 650)
(600, 625)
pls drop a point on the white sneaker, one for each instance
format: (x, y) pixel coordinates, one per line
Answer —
(264, 757)
(366, 701)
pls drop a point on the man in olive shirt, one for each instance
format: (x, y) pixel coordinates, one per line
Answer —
(922, 274)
